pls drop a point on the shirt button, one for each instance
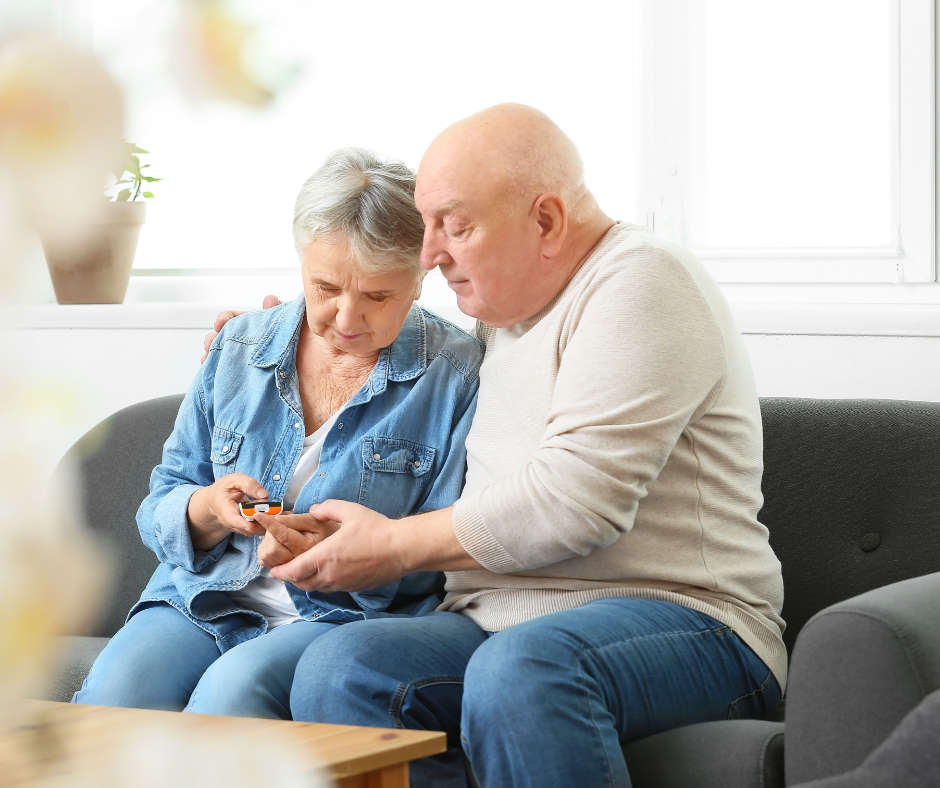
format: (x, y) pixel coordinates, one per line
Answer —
(323, 474)
(376, 457)
(417, 464)
(297, 425)
(225, 449)
(283, 374)
(339, 426)
(276, 477)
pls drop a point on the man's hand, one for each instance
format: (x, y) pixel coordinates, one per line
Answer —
(368, 550)
(223, 317)
(213, 511)
(289, 535)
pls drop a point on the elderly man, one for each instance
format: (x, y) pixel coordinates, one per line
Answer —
(607, 577)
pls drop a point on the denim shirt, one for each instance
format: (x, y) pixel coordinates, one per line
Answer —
(397, 447)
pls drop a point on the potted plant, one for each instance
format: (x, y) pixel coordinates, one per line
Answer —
(98, 270)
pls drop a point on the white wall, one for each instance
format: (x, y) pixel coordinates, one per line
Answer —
(99, 359)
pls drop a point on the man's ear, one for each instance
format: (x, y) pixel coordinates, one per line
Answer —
(551, 213)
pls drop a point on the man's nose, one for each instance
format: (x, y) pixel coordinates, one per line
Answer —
(432, 251)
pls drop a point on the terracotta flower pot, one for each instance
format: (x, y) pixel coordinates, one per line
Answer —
(98, 270)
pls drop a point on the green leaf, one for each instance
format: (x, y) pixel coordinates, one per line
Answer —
(148, 194)
(144, 166)
(149, 179)
(124, 195)
(133, 166)
(132, 148)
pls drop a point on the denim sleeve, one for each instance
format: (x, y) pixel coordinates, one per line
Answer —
(445, 488)
(162, 517)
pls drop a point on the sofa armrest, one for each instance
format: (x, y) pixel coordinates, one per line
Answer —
(76, 656)
(858, 668)
(731, 754)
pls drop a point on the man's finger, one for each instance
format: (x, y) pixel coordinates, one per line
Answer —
(207, 342)
(223, 317)
(337, 511)
(301, 572)
(308, 524)
(269, 301)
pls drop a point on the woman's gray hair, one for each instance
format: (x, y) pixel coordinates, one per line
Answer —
(367, 201)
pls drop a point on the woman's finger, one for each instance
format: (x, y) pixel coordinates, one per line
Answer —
(272, 553)
(291, 539)
(241, 483)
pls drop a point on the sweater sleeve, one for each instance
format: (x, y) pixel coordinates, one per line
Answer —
(641, 358)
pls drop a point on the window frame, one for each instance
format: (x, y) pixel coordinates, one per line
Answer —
(670, 108)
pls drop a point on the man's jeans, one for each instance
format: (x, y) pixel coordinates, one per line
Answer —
(161, 660)
(544, 703)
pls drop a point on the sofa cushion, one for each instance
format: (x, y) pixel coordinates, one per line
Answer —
(76, 656)
(732, 754)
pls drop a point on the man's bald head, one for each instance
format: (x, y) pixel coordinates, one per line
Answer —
(507, 217)
(515, 152)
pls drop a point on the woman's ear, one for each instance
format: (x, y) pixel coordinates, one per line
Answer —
(418, 288)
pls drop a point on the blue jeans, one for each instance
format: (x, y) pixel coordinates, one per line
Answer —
(546, 702)
(161, 660)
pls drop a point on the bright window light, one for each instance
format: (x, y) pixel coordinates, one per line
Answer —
(798, 124)
(386, 76)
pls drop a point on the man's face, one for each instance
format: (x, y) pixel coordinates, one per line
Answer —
(489, 255)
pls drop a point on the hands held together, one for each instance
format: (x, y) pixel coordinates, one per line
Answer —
(337, 546)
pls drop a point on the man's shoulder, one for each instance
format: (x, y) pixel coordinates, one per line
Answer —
(444, 339)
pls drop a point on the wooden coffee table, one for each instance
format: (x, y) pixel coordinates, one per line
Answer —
(63, 736)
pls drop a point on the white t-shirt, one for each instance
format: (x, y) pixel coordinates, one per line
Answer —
(265, 594)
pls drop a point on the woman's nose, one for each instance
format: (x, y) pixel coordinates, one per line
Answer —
(349, 318)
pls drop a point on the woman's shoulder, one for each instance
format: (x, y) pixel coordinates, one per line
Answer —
(253, 328)
(443, 338)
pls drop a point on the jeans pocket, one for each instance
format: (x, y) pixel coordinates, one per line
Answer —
(754, 705)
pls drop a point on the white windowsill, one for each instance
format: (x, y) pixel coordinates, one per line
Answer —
(906, 310)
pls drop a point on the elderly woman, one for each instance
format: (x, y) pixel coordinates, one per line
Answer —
(350, 392)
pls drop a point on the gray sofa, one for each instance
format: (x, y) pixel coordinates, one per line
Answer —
(852, 502)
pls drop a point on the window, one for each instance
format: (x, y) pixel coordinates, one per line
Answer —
(791, 141)
(387, 76)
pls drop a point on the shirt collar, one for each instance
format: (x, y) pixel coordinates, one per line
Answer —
(405, 359)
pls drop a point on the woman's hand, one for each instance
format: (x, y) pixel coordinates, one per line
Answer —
(289, 535)
(213, 511)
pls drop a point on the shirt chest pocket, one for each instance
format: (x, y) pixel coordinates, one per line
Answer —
(224, 451)
(395, 473)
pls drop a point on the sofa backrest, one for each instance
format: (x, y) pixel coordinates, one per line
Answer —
(851, 497)
(113, 462)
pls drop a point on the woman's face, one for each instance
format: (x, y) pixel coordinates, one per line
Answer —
(354, 312)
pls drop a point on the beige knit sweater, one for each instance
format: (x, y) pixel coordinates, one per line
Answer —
(616, 451)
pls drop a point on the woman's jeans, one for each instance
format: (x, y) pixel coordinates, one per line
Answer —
(161, 660)
(547, 702)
